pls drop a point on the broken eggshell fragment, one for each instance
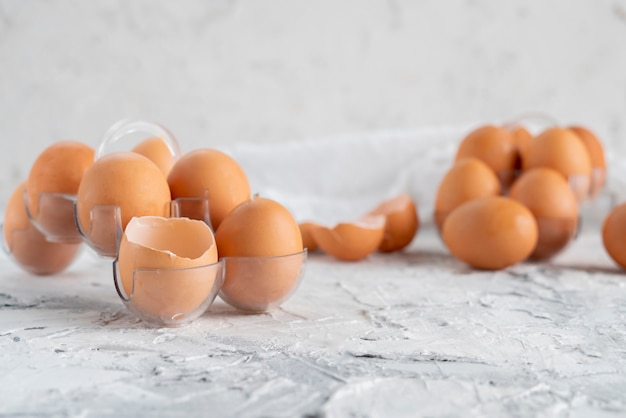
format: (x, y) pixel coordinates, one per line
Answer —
(352, 241)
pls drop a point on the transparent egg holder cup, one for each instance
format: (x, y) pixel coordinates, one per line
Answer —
(261, 284)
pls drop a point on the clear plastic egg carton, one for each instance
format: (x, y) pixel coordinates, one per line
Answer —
(176, 297)
(168, 297)
(57, 217)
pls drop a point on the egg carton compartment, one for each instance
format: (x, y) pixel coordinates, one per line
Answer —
(55, 214)
(54, 217)
(261, 284)
(169, 297)
(192, 208)
(58, 220)
(105, 229)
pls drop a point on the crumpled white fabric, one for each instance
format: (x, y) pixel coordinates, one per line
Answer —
(337, 179)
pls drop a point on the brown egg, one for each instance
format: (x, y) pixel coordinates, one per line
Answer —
(125, 180)
(258, 227)
(596, 155)
(494, 146)
(562, 150)
(352, 241)
(212, 174)
(468, 179)
(491, 233)
(58, 170)
(546, 193)
(28, 246)
(157, 151)
(161, 264)
(613, 233)
(308, 241)
(401, 223)
(261, 246)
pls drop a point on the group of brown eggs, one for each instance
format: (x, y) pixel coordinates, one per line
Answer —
(511, 196)
(180, 228)
(184, 227)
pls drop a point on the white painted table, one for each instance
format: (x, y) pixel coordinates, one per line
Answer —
(397, 335)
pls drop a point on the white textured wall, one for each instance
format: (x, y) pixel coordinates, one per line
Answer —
(216, 72)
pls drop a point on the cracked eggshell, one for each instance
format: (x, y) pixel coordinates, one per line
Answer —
(28, 246)
(352, 241)
(491, 233)
(153, 242)
(401, 222)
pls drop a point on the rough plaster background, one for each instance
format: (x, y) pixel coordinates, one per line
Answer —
(222, 72)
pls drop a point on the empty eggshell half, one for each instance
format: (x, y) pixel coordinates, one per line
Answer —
(352, 241)
(156, 243)
(401, 224)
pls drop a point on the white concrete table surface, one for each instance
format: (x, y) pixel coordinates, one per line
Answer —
(408, 334)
